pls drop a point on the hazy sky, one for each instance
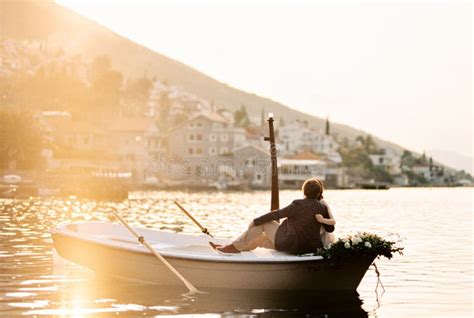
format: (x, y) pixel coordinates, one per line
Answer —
(401, 70)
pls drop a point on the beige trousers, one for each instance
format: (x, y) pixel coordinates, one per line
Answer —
(262, 235)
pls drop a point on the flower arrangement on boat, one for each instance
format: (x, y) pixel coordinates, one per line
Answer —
(362, 245)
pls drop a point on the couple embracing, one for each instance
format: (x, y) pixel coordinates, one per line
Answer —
(307, 227)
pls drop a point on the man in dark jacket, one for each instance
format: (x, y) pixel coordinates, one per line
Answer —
(298, 234)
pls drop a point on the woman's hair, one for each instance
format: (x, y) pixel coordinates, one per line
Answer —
(313, 188)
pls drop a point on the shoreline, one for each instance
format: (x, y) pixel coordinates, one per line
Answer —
(124, 195)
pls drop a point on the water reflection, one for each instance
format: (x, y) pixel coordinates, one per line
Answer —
(101, 296)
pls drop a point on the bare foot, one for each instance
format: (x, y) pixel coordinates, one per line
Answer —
(214, 245)
(230, 249)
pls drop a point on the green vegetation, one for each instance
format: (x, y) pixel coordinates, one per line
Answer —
(355, 157)
(106, 85)
(135, 96)
(85, 90)
(460, 175)
(408, 160)
(241, 117)
(21, 141)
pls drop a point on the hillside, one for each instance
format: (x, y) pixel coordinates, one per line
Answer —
(59, 27)
(454, 159)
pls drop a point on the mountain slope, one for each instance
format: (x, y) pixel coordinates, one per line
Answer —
(62, 28)
(453, 159)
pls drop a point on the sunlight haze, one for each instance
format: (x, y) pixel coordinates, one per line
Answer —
(401, 71)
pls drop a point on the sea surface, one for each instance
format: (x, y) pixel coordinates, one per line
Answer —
(434, 277)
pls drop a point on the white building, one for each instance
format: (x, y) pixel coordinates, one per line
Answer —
(295, 169)
(297, 137)
(154, 98)
(121, 145)
(432, 173)
(389, 161)
(401, 180)
(206, 135)
(205, 140)
(253, 165)
(293, 172)
(180, 100)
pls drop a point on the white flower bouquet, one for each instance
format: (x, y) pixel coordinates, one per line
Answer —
(361, 245)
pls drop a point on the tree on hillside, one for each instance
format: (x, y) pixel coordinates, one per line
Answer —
(136, 94)
(164, 112)
(368, 144)
(106, 85)
(61, 82)
(52, 86)
(20, 140)
(461, 174)
(421, 160)
(407, 159)
(380, 174)
(356, 157)
(180, 118)
(241, 117)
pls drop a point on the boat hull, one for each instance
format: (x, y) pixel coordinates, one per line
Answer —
(145, 267)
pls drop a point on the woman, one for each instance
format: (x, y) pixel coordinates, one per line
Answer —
(326, 238)
(297, 234)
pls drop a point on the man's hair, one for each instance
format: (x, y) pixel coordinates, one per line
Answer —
(313, 189)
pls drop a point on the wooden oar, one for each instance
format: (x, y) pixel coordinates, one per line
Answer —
(141, 239)
(203, 229)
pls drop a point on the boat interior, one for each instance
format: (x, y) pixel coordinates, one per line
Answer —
(170, 244)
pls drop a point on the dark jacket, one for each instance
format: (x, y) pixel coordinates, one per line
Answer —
(299, 233)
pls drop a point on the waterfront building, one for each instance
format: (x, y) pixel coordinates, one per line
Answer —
(389, 161)
(297, 137)
(122, 146)
(204, 145)
(431, 172)
(253, 166)
(401, 180)
(136, 142)
(295, 169)
(293, 172)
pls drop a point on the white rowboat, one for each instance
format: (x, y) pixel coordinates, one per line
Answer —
(109, 249)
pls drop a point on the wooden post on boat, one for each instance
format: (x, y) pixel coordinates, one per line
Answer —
(275, 201)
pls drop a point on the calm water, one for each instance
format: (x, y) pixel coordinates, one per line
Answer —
(433, 279)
